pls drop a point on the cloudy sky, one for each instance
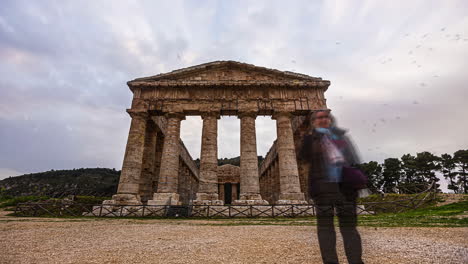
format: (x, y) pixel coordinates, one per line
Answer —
(398, 71)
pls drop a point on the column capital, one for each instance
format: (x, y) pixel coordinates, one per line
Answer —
(210, 114)
(247, 113)
(178, 115)
(280, 114)
(138, 114)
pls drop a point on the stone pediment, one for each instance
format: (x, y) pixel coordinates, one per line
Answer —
(227, 72)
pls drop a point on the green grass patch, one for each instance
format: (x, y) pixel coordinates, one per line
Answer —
(450, 215)
(13, 201)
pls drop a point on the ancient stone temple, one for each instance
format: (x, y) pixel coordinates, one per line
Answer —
(158, 169)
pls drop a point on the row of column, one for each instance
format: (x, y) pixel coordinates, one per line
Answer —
(289, 186)
(269, 182)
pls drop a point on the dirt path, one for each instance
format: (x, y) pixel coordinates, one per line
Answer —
(42, 240)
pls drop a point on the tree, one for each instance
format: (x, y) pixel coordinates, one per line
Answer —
(427, 164)
(461, 160)
(374, 172)
(447, 167)
(408, 165)
(391, 174)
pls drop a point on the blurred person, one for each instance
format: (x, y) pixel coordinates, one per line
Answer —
(327, 149)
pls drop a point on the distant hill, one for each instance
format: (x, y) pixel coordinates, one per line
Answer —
(233, 161)
(85, 181)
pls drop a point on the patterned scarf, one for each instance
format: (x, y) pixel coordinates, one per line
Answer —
(334, 157)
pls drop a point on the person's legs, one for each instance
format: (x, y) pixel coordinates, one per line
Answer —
(347, 217)
(326, 230)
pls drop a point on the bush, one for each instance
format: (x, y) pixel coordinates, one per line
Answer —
(13, 201)
(393, 203)
(90, 200)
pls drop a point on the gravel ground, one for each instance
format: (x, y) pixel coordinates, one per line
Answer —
(42, 240)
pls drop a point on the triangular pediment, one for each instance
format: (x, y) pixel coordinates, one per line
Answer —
(227, 71)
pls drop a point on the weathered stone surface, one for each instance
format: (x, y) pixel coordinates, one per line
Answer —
(128, 190)
(249, 178)
(148, 165)
(168, 175)
(157, 165)
(208, 186)
(165, 199)
(255, 201)
(290, 188)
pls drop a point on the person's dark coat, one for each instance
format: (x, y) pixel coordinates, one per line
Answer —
(312, 153)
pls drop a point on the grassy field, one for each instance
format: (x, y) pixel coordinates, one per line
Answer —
(450, 215)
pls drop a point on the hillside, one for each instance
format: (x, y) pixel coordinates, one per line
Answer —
(84, 181)
(91, 181)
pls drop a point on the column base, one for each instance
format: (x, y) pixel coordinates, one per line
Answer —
(207, 199)
(291, 198)
(124, 199)
(208, 202)
(250, 199)
(250, 202)
(165, 199)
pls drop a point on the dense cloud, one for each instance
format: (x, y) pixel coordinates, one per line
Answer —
(397, 71)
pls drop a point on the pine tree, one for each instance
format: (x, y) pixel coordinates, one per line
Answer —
(447, 167)
(391, 175)
(374, 172)
(426, 164)
(461, 160)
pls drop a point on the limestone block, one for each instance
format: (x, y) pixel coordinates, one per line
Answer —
(154, 210)
(250, 202)
(165, 199)
(304, 210)
(262, 211)
(208, 202)
(123, 199)
(240, 211)
(219, 211)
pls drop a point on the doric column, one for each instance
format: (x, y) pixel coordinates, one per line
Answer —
(221, 192)
(129, 183)
(157, 160)
(148, 166)
(290, 188)
(169, 170)
(249, 176)
(208, 186)
(268, 184)
(234, 191)
(276, 182)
